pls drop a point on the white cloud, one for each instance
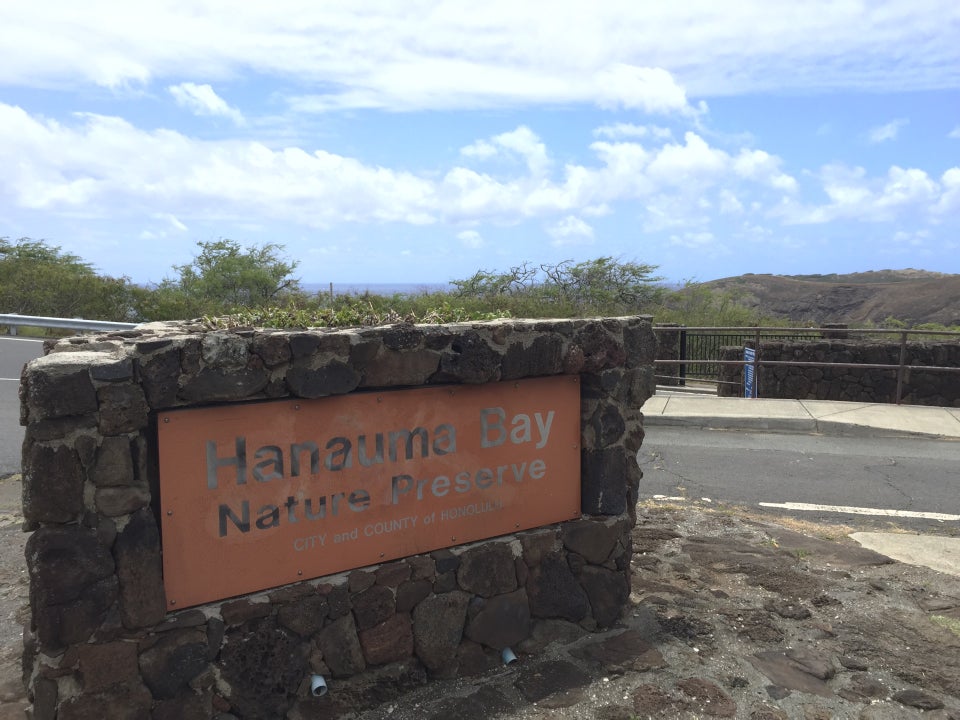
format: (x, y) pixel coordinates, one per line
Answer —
(202, 100)
(915, 238)
(949, 203)
(571, 230)
(105, 167)
(855, 196)
(471, 239)
(446, 55)
(694, 240)
(619, 131)
(522, 142)
(652, 90)
(729, 203)
(479, 149)
(884, 133)
(763, 167)
(955, 133)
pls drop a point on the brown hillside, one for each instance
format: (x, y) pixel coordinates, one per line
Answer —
(913, 296)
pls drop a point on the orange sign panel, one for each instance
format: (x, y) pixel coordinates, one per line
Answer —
(259, 495)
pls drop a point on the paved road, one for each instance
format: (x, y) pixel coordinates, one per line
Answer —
(14, 352)
(909, 475)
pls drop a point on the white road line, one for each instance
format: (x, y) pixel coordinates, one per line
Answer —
(11, 379)
(862, 511)
(20, 339)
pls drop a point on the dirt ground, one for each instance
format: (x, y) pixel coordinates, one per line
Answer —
(731, 616)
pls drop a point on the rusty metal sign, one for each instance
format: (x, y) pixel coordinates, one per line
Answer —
(260, 495)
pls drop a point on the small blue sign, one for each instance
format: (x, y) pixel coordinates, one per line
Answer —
(749, 382)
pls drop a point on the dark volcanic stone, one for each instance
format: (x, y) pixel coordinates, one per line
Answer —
(541, 680)
(594, 540)
(543, 357)
(72, 584)
(487, 570)
(334, 378)
(389, 368)
(601, 350)
(123, 409)
(114, 463)
(187, 706)
(787, 674)
(131, 702)
(918, 699)
(608, 425)
(628, 650)
(411, 593)
(59, 390)
(373, 606)
(554, 591)
(52, 484)
(108, 664)
(502, 621)
(159, 375)
(487, 702)
(305, 616)
(390, 641)
(223, 384)
(608, 591)
(140, 572)
(177, 658)
(470, 359)
(445, 561)
(116, 501)
(392, 574)
(651, 700)
(341, 647)
(274, 350)
(237, 612)
(604, 486)
(438, 628)
(708, 697)
(402, 337)
(265, 665)
(112, 371)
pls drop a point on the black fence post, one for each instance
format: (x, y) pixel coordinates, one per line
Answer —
(683, 356)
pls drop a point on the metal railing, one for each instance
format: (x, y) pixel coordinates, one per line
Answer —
(759, 334)
(14, 321)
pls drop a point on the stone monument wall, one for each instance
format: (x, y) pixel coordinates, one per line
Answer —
(875, 385)
(102, 642)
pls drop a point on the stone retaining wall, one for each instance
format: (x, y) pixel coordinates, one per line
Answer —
(101, 644)
(920, 387)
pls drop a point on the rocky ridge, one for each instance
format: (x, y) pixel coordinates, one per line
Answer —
(912, 296)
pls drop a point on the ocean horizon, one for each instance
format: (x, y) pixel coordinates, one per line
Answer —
(376, 288)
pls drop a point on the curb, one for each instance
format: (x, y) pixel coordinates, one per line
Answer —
(808, 426)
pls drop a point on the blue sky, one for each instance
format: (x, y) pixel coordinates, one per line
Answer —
(421, 141)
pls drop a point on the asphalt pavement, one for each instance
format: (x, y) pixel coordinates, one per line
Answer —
(14, 352)
(678, 409)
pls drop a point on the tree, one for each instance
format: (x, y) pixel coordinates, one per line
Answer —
(605, 285)
(601, 286)
(225, 276)
(41, 279)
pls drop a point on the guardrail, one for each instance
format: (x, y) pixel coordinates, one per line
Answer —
(832, 332)
(14, 321)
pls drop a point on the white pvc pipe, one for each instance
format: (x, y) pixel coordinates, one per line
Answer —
(318, 686)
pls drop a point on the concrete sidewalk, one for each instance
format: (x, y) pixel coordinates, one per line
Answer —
(801, 416)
